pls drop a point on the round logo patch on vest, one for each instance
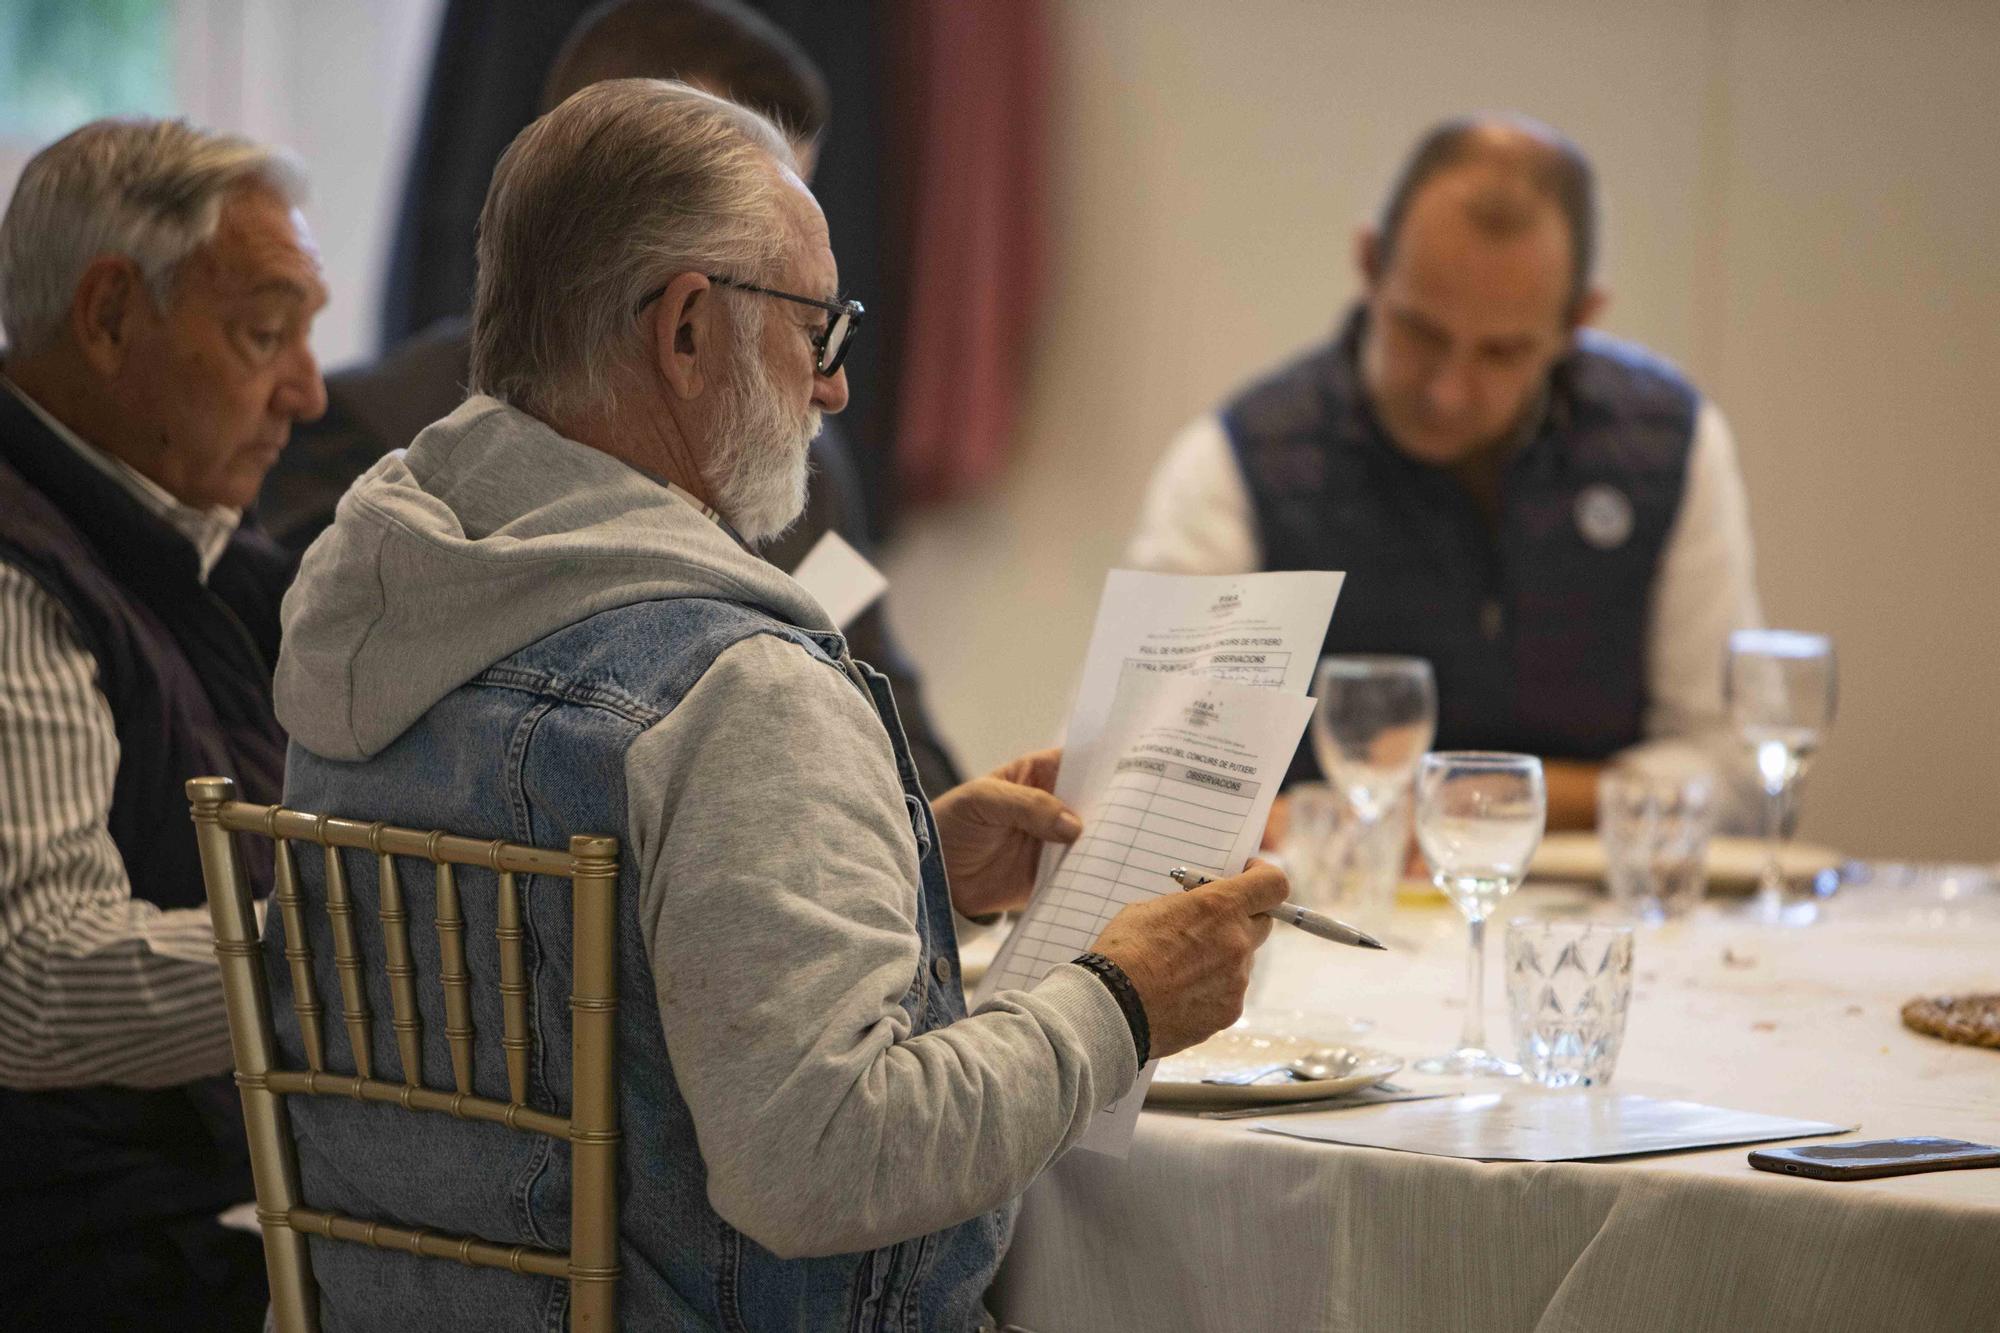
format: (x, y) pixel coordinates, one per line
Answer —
(1604, 516)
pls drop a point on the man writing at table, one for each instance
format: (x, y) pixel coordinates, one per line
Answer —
(1554, 518)
(544, 620)
(157, 284)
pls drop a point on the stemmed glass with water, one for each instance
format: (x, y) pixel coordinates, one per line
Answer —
(1780, 688)
(1373, 720)
(1480, 817)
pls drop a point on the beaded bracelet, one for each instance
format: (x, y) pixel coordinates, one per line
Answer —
(1122, 990)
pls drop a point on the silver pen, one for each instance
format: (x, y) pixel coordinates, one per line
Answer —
(1311, 922)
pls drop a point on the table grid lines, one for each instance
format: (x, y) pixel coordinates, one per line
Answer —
(1167, 815)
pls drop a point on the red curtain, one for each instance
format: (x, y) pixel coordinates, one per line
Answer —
(965, 91)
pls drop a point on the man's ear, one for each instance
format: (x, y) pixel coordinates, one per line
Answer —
(1368, 255)
(1589, 308)
(688, 335)
(110, 299)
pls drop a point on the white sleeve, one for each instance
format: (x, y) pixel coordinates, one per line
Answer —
(1705, 588)
(1196, 518)
(95, 987)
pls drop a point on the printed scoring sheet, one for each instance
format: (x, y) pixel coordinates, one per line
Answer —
(1155, 814)
(1190, 706)
(1185, 775)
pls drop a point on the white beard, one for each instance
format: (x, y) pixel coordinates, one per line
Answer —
(758, 466)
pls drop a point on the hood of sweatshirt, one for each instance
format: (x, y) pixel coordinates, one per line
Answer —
(490, 532)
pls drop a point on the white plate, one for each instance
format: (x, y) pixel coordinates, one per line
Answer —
(1733, 863)
(1268, 1037)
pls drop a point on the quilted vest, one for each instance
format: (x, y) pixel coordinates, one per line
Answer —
(186, 669)
(1535, 627)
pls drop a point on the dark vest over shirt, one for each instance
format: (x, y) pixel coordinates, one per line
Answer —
(1535, 626)
(186, 669)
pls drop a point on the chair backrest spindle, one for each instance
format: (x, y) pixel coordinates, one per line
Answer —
(452, 973)
(395, 918)
(513, 985)
(347, 960)
(298, 952)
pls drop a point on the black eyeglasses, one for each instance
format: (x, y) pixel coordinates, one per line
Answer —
(831, 343)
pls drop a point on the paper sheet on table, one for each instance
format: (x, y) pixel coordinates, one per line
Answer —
(1549, 1127)
(1184, 776)
(840, 579)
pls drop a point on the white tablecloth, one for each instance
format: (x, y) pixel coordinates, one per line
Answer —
(1209, 1225)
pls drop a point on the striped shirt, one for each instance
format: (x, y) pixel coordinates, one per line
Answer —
(95, 986)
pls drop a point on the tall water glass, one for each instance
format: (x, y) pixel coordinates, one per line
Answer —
(1480, 817)
(1374, 718)
(1780, 688)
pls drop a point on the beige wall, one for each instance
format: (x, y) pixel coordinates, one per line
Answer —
(1802, 204)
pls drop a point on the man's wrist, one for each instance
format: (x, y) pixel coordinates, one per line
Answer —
(1127, 995)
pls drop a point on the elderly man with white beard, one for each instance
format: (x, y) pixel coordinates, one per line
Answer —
(542, 621)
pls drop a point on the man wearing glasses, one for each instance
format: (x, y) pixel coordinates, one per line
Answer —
(542, 621)
(720, 47)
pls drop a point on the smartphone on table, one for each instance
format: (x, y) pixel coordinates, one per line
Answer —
(1870, 1158)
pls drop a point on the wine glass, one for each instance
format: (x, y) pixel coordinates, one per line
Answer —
(1374, 719)
(1780, 688)
(1479, 819)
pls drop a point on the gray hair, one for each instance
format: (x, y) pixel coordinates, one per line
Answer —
(594, 206)
(150, 190)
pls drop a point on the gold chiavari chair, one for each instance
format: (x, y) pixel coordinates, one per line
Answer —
(591, 1128)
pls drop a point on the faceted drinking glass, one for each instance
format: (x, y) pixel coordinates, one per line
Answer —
(1355, 876)
(1480, 816)
(1655, 827)
(1569, 985)
(1313, 814)
(1780, 687)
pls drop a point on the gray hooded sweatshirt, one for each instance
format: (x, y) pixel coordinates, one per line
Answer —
(806, 1084)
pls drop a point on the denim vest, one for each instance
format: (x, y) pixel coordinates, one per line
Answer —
(1536, 630)
(533, 750)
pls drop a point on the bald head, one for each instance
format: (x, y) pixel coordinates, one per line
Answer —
(1505, 173)
(1476, 283)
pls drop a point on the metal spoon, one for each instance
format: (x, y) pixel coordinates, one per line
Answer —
(1330, 1062)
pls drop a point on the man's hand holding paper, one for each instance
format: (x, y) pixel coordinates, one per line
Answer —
(993, 829)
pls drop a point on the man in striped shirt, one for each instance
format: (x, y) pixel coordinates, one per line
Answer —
(157, 284)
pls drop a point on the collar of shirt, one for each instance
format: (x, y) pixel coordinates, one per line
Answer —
(207, 530)
(706, 511)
